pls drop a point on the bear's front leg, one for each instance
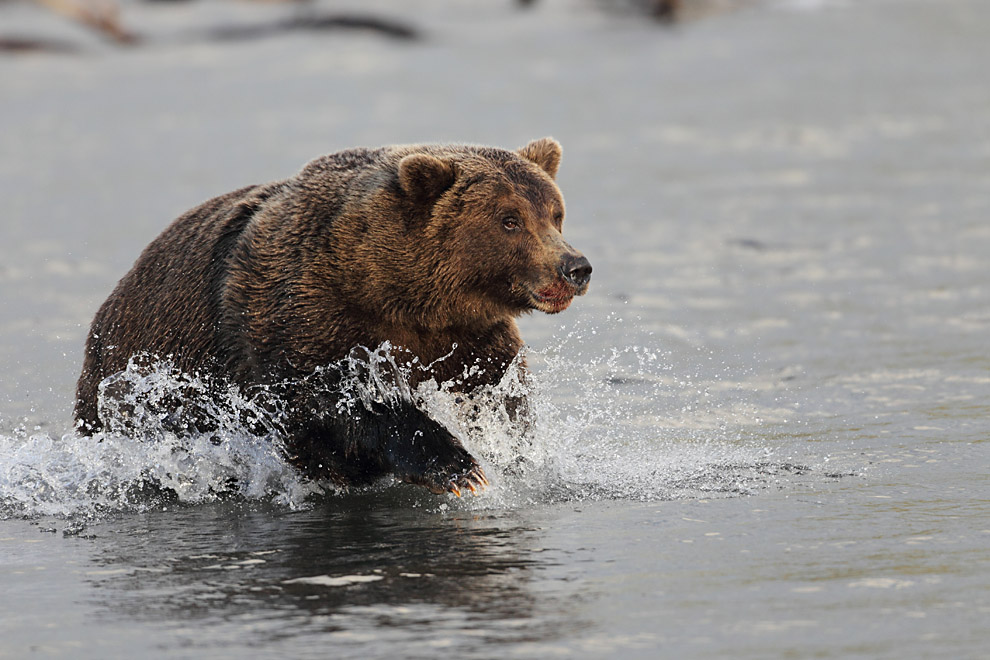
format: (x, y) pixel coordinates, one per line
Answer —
(356, 447)
(421, 451)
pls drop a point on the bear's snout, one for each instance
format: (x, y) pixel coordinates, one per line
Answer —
(575, 269)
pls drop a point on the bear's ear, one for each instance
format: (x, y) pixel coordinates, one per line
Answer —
(545, 152)
(425, 177)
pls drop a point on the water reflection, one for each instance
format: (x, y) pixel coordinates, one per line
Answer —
(367, 566)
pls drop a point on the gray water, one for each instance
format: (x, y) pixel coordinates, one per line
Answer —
(763, 433)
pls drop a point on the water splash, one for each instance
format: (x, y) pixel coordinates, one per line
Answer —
(616, 425)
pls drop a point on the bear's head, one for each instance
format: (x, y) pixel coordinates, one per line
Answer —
(494, 225)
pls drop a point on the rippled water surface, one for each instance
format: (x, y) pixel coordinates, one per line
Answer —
(763, 433)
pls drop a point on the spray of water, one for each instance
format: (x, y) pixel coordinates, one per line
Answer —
(604, 427)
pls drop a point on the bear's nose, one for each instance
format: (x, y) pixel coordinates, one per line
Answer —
(576, 269)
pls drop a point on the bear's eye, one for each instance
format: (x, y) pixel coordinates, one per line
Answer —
(511, 223)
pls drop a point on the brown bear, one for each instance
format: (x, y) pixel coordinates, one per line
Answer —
(435, 249)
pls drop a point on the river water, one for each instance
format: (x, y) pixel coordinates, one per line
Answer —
(762, 434)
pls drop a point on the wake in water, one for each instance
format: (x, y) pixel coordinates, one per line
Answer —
(597, 428)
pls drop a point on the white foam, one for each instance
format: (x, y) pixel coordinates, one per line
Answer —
(610, 426)
(329, 581)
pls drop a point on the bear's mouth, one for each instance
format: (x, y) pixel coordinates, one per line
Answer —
(554, 298)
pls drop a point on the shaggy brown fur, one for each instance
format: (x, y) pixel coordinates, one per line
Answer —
(428, 247)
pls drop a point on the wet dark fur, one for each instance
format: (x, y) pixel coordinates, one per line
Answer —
(269, 283)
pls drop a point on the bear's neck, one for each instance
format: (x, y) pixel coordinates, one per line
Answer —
(465, 355)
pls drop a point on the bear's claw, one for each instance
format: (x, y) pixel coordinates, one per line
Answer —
(474, 481)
